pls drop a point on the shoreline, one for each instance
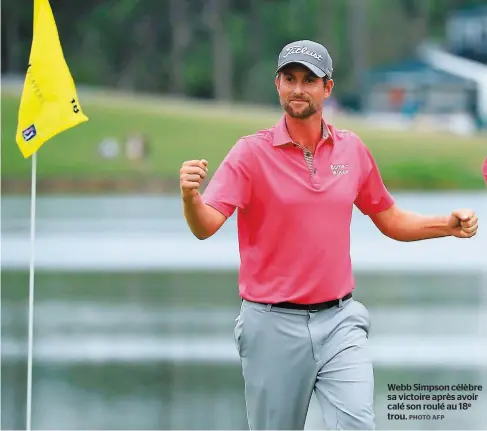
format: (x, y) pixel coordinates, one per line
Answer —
(91, 185)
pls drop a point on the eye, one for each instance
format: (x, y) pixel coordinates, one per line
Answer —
(310, 80)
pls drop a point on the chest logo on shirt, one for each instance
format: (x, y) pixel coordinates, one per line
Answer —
(341, 169)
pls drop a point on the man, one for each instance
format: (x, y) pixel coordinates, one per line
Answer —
(295, 185)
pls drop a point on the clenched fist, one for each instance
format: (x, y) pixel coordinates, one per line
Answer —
(191, 175)
(463, 223)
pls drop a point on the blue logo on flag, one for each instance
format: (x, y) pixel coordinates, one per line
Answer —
(29, 133)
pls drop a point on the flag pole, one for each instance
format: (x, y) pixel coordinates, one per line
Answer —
(31, 291)
(46, 79)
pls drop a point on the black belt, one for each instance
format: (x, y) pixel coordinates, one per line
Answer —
(312, 307)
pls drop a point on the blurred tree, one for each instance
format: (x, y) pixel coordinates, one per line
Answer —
(325, 28)
(215, 15)
(359, 42)
(11, 22)
(225, 49)
(182, 34)
(256, 44)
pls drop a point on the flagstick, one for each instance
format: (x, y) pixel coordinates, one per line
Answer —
(31, 291)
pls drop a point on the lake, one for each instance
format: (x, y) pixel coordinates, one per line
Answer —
(134, 317)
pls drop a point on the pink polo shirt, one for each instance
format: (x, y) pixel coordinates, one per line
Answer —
(294, 211)
(484, 170)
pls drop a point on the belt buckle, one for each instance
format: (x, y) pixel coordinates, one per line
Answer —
(313, 309)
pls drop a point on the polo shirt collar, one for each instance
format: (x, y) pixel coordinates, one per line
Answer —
(281, 135)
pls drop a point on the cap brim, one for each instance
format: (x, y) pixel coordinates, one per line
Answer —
(317, 71)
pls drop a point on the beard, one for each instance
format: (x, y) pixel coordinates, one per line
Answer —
(301, 113)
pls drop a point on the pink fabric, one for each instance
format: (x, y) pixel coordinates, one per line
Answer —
(294, 224)
(484, 170)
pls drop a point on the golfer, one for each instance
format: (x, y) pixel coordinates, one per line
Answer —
(294, 186)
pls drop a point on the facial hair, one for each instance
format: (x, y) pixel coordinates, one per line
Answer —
(298, 114)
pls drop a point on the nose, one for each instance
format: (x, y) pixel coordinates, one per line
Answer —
(298, 90)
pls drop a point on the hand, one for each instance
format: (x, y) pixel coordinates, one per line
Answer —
(463, 223)
(191, 175)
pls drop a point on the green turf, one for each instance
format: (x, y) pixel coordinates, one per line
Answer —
(217, 289)
(173, 139)
(178, 131)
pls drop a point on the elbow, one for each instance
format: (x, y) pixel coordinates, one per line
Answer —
(391, 235)
(398, 238)
(202, 235)
(205, 225)
(394, 233)
(398, 235)
(392, 225)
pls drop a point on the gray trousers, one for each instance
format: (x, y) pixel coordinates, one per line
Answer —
(288, 354)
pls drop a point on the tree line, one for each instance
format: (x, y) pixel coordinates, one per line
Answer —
(222, 49)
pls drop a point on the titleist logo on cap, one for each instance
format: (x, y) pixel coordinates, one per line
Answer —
(301, 50)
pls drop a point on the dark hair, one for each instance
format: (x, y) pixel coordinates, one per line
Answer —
(326, 78)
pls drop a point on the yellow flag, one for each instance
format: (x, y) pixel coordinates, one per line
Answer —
(49, 103)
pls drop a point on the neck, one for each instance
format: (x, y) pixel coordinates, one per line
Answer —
(307, 131)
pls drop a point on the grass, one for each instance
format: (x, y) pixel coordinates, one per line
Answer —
(180, 130)
(188, 288)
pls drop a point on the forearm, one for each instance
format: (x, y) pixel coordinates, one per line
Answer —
(202, 219)
(408, 226)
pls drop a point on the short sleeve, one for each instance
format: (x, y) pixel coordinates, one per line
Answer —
(229, 187)
(373, 196)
